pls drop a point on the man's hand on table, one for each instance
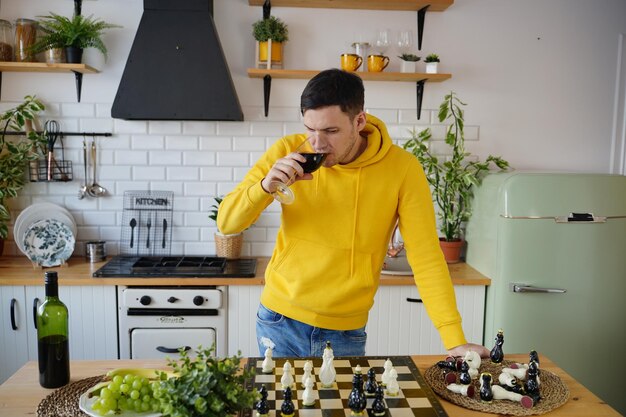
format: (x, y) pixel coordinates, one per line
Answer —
(462, 349)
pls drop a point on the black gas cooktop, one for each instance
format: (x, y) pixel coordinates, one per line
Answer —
(177, 266)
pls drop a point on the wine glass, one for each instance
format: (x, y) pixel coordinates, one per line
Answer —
(404, 41)
(314, 160)
(382, 41)
(396, 244)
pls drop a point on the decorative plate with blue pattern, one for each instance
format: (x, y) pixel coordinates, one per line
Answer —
(49, 242)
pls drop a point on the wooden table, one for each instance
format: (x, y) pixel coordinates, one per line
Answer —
(20, 394)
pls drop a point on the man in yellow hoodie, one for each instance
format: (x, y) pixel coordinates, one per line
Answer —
(324, 272)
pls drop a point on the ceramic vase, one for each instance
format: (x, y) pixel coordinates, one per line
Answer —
(407, 66)
(431, 67)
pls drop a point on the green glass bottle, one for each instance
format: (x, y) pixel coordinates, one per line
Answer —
(52, 336)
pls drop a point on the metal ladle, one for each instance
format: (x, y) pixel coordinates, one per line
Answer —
(84, 190)
(95, 189)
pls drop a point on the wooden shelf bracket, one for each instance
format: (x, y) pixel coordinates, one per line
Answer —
(79, 83)
(267, 86)
(419, 93)
(421, 17)
(267, 9)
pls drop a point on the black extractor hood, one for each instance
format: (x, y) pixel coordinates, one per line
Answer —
(176, 69)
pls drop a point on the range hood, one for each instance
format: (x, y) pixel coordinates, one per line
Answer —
(176, 69)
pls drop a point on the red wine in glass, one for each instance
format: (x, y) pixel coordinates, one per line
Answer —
(313, 161)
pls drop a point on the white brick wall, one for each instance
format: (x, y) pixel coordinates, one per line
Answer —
(195, 160)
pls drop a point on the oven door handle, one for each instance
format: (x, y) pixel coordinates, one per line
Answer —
(164, 349)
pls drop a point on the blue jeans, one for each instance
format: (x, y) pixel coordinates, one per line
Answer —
(292, 338)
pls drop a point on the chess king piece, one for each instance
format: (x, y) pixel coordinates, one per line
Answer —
(532, 382)
(497, 354)
(287, 379)
(308, 399)
(287, 408)
(262, 408)
(392, 387)
(371, 384)
(357, 400)
(500, 393)
(464, 390)
(486, 394)
(388, 366)
(268, 364)
(465, 377)
(327, 371)
(473, 360)
(308, 373)
(379, 408)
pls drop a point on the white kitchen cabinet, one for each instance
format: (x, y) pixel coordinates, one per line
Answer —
(243, 302)
(399, 327)
(92, 321)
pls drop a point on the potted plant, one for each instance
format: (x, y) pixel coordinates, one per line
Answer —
(431, 61)
(72, 34)
(270, 33)
(15, 154)
(226, 246)
(453, 176)
(408, 62)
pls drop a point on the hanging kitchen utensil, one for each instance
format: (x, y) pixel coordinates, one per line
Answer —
(51, 128)
(84, 189)
(95, 189)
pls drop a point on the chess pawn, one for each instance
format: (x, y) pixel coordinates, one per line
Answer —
(500, 393)
(534, 357)
(287, 379)
(327, 372)
(262, 407)
(378, 406)
(532, 382)
(451, 364)
(308, 372)
(371, 384)
(268, 364)
(464, 390)
(486, 394)
(497, 354)
(388, 366)
(392, 387)
(356, 400)
(287, 408)
(473, 360)
(308, 399)
(465, 377)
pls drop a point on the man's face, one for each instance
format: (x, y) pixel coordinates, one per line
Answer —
(332, 132)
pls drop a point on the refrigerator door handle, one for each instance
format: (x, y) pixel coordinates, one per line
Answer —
(517, 287)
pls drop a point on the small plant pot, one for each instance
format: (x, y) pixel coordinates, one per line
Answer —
(277, 51)
(431, 67)
(55, 56)
(451, 250)
(228, 246)
(407, 66)
(74, 55)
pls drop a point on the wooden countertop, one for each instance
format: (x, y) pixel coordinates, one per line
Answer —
(18, 270)
(21, 393)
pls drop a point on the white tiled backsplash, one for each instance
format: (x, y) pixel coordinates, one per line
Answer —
(195, 160)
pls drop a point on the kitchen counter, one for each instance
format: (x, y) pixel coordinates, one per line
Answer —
(21, 393)
(18, 270)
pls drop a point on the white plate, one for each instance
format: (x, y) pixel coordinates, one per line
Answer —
(86, 405)
(40, 211)
(397, 266)
(49, 242)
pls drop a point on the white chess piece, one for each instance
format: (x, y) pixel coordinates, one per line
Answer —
(507, 379)
(287, 379)
(464, 390)
(473, 360)
(268, 364)
(519, 373)
(392, 388)
(327, 372)
(385, 376)
(308, 372)
(308, 398)
(500, 393)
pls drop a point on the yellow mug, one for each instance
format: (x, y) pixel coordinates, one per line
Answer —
(350, 62)
(377, 63)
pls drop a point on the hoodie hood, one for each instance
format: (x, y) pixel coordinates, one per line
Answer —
(378, 143)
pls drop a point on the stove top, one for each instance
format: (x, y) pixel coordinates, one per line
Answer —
(176, 266)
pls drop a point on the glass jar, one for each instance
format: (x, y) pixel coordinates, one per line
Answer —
(25, 37)
(6, 40)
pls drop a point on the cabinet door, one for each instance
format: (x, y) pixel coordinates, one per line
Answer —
(397, 326)
(13, 342)
(243, 302)
(92, 320)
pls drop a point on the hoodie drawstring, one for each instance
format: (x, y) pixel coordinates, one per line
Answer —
(354, 221)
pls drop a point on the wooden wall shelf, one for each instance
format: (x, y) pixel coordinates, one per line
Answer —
(366, 76)
(435, 5)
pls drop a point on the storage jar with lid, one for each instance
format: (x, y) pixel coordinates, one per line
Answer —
(6, 40)
(25, 37)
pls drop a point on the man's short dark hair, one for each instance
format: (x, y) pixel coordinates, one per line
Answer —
(334, 87)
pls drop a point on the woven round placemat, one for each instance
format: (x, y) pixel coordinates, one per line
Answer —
(554, 392)
(64, 401)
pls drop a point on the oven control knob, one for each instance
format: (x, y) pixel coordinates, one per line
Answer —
(172, 300)
(198, 300)
(145, 300)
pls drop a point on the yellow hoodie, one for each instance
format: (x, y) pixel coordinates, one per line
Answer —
(332, 241)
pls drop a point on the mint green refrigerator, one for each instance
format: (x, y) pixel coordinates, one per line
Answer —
(554, 245)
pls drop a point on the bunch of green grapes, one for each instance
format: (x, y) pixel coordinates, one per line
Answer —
(126, 393)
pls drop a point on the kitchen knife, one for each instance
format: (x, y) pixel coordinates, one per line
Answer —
(164, 229)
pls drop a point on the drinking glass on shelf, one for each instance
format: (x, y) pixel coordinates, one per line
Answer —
(404, 41)
(314, 160)
(382, 41)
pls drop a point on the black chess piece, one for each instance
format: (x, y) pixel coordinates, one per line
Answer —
(287, 408)
(371, 384)
(450, 364)
(534, 356)
(497, 354)
(357, 400)
(378, 406)
(486, 394)
(262, 407)
(532, 384)
(465, 377)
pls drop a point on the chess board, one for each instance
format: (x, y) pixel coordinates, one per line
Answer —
(415, 399)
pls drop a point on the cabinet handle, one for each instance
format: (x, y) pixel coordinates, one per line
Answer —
(13, 325)
(516, 287)
(414, 300)
(163, 349)
(35, 305)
